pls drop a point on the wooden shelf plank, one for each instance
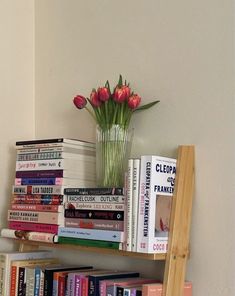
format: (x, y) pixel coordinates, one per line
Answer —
(30, 245)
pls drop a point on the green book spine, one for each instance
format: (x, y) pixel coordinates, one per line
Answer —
(89, 243)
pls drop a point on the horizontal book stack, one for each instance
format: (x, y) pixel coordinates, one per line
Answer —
(94, 217)
(150, 185)
(43, 169)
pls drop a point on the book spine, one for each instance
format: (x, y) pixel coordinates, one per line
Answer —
(94, 224)
(119, 199)
(56, 164)
(84, 291)
(94, 206)
(41, 287)
(90, 243)
(40, 174)
(21, 281)
(93, 214)
(38, 208)
(55, 155)
(78, 288)
(61, 286)
(36, 217)
(93, 234)
(144, 195)
(40, 189)
(38, 199)
(13, 280)
(30, 281)
(40, 181)
(94, 191)
(37, 275)
(28, 235)
(53, 142)
(135, 197)
(128, 223)
(68, 149)
(36, 227)
(70, 284)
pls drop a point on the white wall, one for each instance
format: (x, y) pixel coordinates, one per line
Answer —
(180, 52)
(16, 91)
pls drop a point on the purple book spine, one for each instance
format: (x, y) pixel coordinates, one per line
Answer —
(40, 174)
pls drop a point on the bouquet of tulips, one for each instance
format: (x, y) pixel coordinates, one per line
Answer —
(112, 107)
(112, 111)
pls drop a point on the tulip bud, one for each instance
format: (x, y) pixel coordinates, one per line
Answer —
(134, 101)
(103, 93)
(95, 99)
(80, 102)
(121, 93)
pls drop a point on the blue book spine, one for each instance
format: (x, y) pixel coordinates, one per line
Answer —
(37, 281)
(94, 234)
(38, 181)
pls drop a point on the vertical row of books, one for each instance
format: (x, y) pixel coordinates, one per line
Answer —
(43, 169)
(38, 273)
(150, 185)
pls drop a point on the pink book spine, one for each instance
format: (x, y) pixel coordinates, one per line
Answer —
(36, 217)
(39, 227)
(156, 289)
(35, 207)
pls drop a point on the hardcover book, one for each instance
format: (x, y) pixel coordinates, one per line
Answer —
(157, 177)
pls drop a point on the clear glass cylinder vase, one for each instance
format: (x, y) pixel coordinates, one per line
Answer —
(113, 146)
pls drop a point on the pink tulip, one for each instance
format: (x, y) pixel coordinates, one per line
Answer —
(94, 98)
(79, 101)
(103, 93)
(121, 93)
(134, 101)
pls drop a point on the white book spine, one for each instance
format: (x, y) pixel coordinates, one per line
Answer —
(129, 205)
(135, 203)
(56, 164)
(143, 212)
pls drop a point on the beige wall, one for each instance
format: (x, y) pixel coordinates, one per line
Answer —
(180, 52)
(16, 90)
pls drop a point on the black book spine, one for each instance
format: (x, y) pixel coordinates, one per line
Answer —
(46, 141)
(120, 291)
(21, 281)
(94, 214)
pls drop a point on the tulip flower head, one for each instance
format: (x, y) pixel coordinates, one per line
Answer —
(80, 102)
(111, 108)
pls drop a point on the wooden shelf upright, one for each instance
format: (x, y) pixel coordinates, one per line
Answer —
(178, 247)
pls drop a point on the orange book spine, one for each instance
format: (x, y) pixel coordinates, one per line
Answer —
(13, 280)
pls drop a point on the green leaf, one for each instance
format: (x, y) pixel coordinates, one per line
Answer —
(146, 106)
(120, 81)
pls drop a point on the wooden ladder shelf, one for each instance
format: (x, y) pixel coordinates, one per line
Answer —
(178, 247)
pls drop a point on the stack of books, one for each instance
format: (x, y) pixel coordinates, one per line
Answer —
(94, 217)
(43, 169)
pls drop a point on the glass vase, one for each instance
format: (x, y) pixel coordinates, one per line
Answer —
(113, 146)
